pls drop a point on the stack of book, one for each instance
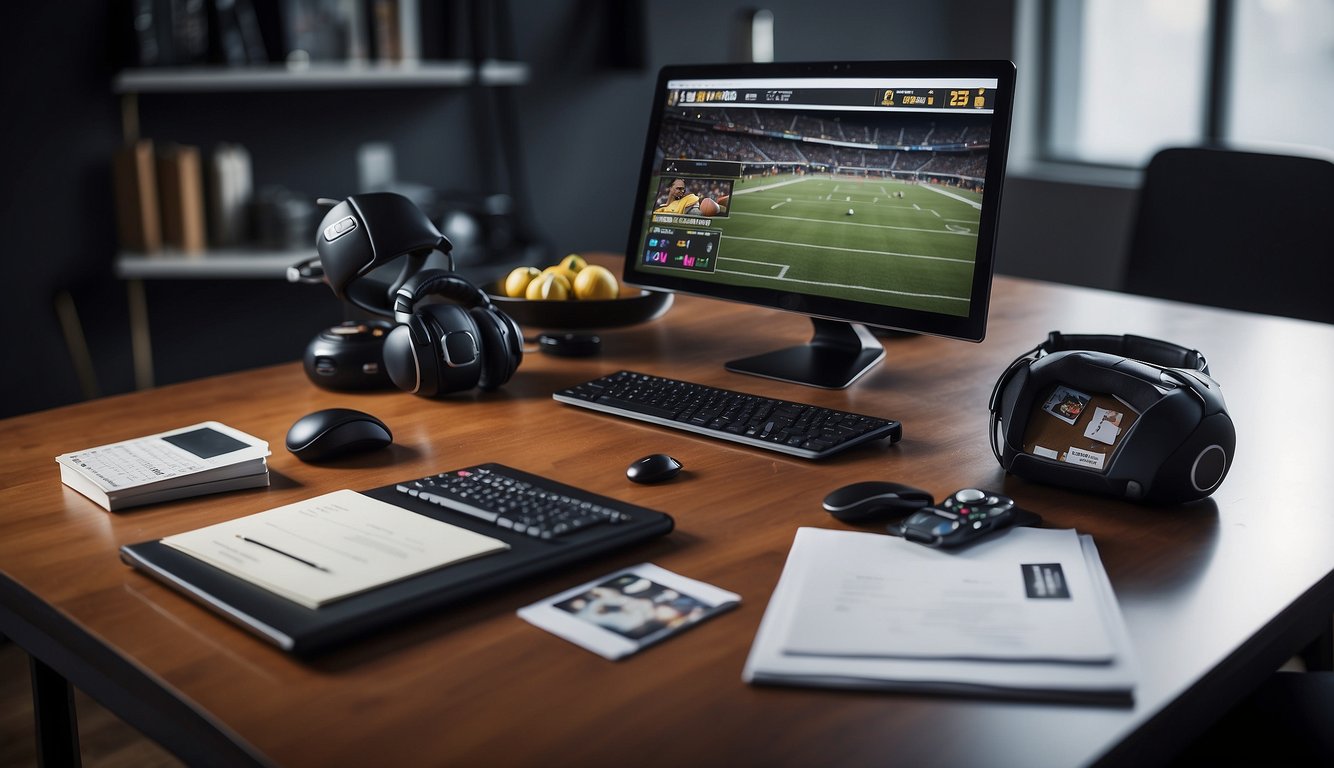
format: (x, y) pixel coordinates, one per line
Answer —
(162, 201)
(191, 461)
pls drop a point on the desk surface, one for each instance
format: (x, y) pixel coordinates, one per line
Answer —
(1215, 595)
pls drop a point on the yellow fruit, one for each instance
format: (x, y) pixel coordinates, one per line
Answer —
(574, 262)
(549, 286)
(516, 283)
(563, 271)
(595, 282)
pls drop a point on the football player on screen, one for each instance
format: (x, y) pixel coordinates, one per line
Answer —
(688, 203)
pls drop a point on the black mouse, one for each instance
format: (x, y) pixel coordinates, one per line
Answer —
(336, 432)
(863, 501)
(653, 468)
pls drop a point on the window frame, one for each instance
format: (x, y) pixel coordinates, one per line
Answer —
(1036, 38)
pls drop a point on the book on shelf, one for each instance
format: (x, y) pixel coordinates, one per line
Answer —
(203, 458)
(181, 195)
(230, 192)
(134, 176)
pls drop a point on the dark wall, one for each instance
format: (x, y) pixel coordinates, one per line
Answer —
(581, 119)
(583, 123)
(58, 129)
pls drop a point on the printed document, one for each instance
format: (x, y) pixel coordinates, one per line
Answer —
(837, 618)
(332, 546)
(918, 602)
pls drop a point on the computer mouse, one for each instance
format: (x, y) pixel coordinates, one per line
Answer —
(872, 499)
(336, 432)
(653, 468)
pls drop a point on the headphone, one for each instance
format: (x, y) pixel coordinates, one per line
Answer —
(1179, 442)
(441, 348)
(435, 348)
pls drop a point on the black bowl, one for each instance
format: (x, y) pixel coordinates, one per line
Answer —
(634, 306)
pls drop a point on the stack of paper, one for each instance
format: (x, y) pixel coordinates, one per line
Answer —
(1029, 614)
(190, 461)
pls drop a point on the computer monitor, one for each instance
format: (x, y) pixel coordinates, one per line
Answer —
(860, 194)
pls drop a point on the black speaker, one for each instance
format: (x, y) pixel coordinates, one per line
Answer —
(348, 356)
(1125, 416)
(439, 348)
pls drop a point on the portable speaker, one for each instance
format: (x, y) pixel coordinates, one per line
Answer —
(1126, 416)
(348, 356)
(439, 348)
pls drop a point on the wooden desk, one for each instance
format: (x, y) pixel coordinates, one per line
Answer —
(1216, 595)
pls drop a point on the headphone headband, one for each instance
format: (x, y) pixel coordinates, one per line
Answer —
(436, 282)
(365, 232)
(1154, 351)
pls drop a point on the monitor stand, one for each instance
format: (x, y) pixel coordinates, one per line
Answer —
(838, 354)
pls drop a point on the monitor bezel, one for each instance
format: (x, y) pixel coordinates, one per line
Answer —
(971, 327)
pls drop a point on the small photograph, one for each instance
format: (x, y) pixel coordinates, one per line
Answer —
(623, 613)
(1066, 404)
(693, 196)
(635, 607)
(1105, 426)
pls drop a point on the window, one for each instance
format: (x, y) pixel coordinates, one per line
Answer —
(1282, 73)
(1125, 78)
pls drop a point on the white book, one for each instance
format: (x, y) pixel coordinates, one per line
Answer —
(333, 546)
(202, 458)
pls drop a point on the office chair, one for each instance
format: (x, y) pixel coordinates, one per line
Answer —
(1240, 230)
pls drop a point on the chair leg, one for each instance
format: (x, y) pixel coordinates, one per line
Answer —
(77, 344)
(141, 344)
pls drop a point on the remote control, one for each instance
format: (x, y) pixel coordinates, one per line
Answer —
(965, 516)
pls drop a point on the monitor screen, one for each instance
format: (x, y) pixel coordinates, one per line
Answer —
(860, 194)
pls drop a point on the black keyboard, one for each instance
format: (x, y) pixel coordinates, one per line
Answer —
(511, 499)
(808, 431)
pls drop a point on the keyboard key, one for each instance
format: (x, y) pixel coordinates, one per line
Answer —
(491, 494)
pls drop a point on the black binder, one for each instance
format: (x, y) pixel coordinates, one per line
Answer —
(300, 630)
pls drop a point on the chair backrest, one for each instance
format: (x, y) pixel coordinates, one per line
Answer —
(1241, 230)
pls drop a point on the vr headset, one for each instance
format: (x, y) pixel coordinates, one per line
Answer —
(1124, 416)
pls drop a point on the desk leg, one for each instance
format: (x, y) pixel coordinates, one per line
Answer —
(53, 711)
(141, 345)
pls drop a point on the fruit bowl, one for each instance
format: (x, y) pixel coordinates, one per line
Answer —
(633, 306)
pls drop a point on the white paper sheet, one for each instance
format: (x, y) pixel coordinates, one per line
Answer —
(332, 546)
(888, 597)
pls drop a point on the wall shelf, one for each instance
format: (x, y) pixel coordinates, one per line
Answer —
(216, 264)
(319, 76)
(253, 263)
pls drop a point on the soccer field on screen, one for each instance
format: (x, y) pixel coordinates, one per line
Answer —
(852, 239)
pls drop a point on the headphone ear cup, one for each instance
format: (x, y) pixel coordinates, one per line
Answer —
(502, 347)
(409, 357)
(448, 347)
(455, 351)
